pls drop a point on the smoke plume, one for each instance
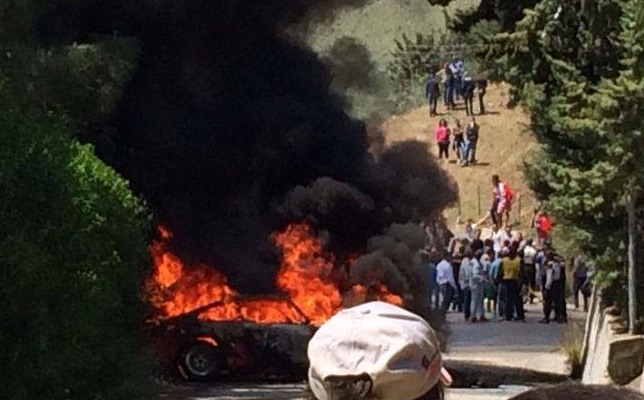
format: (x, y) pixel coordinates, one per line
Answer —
(393, 258)
(230, 130)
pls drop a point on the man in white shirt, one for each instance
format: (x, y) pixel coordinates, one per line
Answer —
(499, 236)
(446, 282)
(477, 278)
(528, 269)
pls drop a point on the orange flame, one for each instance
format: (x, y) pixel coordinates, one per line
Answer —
(305, 275)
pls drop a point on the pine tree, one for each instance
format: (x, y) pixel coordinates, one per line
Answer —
(578, 68)
(505, 12)
(618, 107)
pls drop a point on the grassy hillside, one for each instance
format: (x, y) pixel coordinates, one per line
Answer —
(504, 142)
(381, 22)
(503, 145)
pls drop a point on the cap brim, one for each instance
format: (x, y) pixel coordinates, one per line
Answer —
(446, 378)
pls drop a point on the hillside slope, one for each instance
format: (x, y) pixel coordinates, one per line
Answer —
(504, 142)
(380, 22)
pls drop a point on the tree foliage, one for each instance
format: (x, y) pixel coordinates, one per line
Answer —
(506, 13)
(413, 58)
(72, 259)
(73, 237)
(577, 69)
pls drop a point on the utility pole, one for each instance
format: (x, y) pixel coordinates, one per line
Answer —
(632, 273)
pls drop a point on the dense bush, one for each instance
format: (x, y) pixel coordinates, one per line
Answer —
(72, 259)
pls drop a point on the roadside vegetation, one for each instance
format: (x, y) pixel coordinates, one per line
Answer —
(573, 345)
(577, 69)
(73, 243)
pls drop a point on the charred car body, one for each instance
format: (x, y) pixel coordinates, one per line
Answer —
(204, 350)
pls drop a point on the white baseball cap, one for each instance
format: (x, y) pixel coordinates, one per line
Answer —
(397, 349)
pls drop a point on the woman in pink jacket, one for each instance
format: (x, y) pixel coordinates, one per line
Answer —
(442, 133)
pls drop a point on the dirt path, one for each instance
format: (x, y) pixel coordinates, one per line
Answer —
(503, 145)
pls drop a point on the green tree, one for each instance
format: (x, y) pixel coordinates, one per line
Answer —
(506, 13)
(72, 259)
(618, 109)
(577, 69)
(73, 237)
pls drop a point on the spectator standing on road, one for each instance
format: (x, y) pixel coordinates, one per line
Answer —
(510, 266)
(441, 135)
(446, 283)
(579, 279)
(553, 290)
(464, 276)
(430, 258)
(457, 257)
(489, 292)
(528, 254)
(477, 279)
(502, 293)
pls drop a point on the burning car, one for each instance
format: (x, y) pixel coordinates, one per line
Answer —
(207, 330)
(202, 350)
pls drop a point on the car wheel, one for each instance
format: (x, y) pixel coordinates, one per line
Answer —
(201, 361)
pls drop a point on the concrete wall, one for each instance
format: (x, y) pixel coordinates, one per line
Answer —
(595, 349)
(610, 358)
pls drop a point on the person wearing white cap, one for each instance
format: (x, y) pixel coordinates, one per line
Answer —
(376, 351)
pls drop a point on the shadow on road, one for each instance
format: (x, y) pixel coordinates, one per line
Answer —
(469, 374)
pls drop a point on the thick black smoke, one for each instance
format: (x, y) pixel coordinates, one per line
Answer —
(351, 64)
(393, 259)
(229, 129)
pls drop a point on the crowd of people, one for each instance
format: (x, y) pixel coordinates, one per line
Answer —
(451, 83)
(494, 275)
(463, 141)
(456, 83)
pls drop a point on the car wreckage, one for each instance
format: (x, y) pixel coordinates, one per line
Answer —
(206, 350)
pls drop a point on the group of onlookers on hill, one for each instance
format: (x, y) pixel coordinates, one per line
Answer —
(498, 273)
(456, 83)
(493, 276)
(452, 83)
(463, 140)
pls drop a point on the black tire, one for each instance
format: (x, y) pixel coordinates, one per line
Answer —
(201, 361)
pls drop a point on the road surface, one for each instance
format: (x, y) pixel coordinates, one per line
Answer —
(528, 346)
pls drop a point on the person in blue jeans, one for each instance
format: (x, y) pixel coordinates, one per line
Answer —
(494, 272)
(468, 151)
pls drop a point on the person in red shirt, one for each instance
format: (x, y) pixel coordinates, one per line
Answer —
(502, 197)
(543, 225)
(442, 133)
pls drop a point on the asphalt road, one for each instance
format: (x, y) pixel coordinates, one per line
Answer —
(523, 346)
(294, 392)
